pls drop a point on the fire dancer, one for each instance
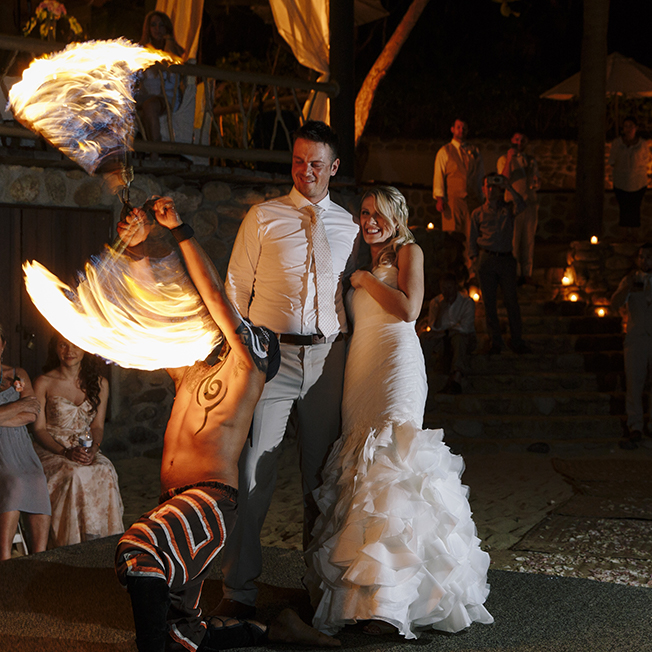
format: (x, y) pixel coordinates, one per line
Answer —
(164, 558)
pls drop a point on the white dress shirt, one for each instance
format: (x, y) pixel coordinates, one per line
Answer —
(467, 165)
(629, 164)
(459, 316)
(271, 277)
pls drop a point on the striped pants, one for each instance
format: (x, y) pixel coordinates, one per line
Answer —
(164, 558)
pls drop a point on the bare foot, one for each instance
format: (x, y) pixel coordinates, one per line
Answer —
(379, 628)
(289, 628)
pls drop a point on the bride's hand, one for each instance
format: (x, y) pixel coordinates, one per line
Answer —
(358, 277)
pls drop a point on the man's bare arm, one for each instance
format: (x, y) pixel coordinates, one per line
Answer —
(210, 286)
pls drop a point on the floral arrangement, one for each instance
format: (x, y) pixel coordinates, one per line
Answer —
(50, 15)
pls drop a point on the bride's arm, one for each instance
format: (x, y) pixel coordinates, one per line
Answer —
(404, 302)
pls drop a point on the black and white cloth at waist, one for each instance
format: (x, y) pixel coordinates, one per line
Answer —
(308, 340)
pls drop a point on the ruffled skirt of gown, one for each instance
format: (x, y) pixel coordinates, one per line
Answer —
(395, 540)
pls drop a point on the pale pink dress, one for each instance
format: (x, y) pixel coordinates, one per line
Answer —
(86, 502)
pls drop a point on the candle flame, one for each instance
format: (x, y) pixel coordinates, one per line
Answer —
(594, 239)
(81, 99)
(139, 314)
(573, 297)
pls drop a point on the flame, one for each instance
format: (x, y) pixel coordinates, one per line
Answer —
(601, 312)
(139, 314)
(573, 297)
(81, 99)
(594, 239)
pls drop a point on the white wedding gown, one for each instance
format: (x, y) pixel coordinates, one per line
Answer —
(395, 540)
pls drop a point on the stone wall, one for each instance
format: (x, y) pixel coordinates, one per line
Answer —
(140, 402)
(409, 165)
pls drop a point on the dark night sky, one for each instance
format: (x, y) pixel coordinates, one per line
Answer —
(465, 57)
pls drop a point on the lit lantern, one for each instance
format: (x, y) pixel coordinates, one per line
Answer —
(594, 239)
(573, 297)
(601, 312)
(431, 226)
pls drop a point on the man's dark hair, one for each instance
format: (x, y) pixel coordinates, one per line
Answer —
(460, 119)
(632, 119)
(318, 132)
(448, 276)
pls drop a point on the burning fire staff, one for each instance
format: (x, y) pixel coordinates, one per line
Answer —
(164, 558)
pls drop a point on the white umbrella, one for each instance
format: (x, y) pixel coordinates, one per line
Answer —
(625, 77)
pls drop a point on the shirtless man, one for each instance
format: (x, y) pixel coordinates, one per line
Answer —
(164, 558)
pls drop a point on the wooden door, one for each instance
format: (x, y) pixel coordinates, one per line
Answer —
(61, 239)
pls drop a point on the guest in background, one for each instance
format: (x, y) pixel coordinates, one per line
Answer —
(524, 176)
(83, 484)
(451, 336)
(152, 99)
(457, 183)
(629, 158)
(492, 234)
(635, 292)
(23, 489)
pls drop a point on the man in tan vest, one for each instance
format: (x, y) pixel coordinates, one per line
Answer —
(457, 186)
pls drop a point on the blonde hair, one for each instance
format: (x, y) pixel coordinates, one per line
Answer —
(392, 207)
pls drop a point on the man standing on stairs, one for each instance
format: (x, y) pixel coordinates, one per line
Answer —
(457, 183)
(524, 176)
(492, 232)
(635, 292)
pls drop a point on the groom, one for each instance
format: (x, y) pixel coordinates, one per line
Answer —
(286, 270)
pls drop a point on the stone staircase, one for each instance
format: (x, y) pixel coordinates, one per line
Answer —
(568, 393)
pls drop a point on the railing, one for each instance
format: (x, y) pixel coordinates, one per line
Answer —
(235, 104)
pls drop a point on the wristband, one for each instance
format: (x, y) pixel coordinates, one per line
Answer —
(182, 232)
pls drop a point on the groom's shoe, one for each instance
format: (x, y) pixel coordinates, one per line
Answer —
(234, 609)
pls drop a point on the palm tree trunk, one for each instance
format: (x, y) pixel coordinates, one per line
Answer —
(366, 94)
(589, 195)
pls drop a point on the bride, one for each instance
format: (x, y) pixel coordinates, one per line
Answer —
(394, 544)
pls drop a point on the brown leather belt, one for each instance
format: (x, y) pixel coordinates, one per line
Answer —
(308, 340)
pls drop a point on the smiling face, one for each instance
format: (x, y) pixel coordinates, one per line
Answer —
(69, 355)
(157, 29)
(519, 141)
(375, 228)
(312, 168)
(629, 130)
(459, 130)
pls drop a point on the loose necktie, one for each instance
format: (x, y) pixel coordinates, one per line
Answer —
(327, 321)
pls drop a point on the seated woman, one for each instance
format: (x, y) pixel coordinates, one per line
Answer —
(22, 484)
(83, 484)
(150, 102)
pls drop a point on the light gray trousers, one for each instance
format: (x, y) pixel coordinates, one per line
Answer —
(311, 377)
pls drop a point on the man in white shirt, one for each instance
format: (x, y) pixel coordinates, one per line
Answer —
(286, 274)
(524, 176)
(451, 336)
(457, 184)
(629, 158)
(635, 292)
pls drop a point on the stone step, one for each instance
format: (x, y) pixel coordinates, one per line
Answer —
(541, 404)
(567, 343)
(529, 428)
(543, 307)
(535, 324)
(510, 363)
(533, 382)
